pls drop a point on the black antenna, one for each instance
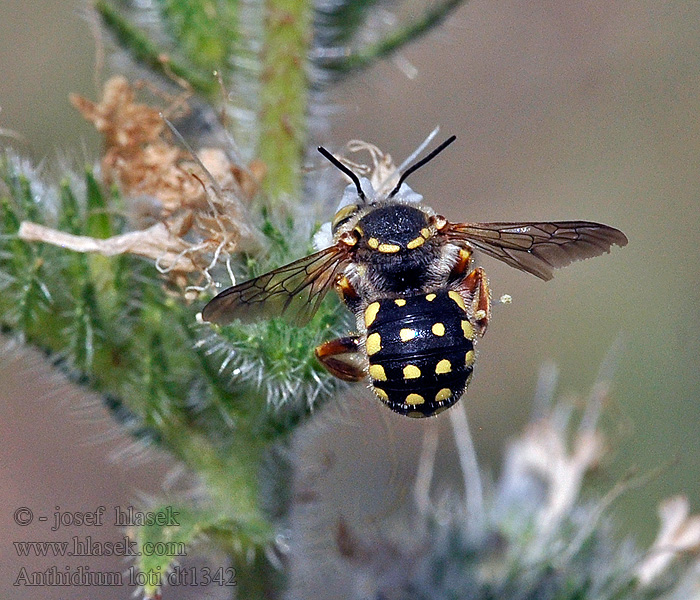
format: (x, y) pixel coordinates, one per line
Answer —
(345, 170)
(421, 162)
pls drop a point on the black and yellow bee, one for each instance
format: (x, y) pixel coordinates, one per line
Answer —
(407, 275)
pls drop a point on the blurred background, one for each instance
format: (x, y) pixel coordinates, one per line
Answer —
(562, 110)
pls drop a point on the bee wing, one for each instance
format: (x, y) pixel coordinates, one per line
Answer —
(294, 290)
(539, 248)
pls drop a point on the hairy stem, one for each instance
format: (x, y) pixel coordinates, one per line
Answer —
(284, 96)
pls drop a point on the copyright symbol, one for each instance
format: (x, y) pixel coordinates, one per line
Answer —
(23, 516)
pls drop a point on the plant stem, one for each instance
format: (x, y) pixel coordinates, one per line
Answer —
(284, 96)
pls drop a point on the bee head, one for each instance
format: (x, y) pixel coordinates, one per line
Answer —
(393, 228)
(364, 194)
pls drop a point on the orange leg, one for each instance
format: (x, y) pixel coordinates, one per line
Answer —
(347, 292)
(477, 286)
(461, 268)
(342, 358)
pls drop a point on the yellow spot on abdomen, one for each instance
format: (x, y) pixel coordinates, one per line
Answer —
(468, 329)
(374, 343)
(430, 297)
(469, 358)
(400, 302)
(377, 372)
(407, 334)
(419, 241)
(443, 394)
(414, 399)
(457, 298)
(381, 394)
(373, 243)
(438, 329)
(444, 366)
(371, 313)
(389, 248)
(411, 372)
(425, 232)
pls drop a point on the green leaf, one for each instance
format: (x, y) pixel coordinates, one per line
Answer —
(99, 221)
(69, 218)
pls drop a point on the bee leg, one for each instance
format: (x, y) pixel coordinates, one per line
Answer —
(342, 358)
(477, 286)
(461, 267)
(347, 292)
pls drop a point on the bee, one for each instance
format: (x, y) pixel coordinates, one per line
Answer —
(407, 275)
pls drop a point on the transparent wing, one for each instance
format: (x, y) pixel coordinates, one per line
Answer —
(294, 290)
(538, 248)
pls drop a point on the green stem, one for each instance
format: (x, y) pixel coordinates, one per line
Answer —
(284, 96)
(144, 50)
(394, 41)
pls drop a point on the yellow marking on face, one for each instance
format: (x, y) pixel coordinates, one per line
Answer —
(389, 248)
(469, 358)
(443, 394)
(438, 329)
(457, 298)
(400, 302)
(381, 394)
(419, 241)
(468, 329)
(444, 366)
(377, 372)
(425, 232)
(411, 372)
(373, 243)
(430, 297)
(374, 343)
(414, 399)
(371, 313)
(407, 334)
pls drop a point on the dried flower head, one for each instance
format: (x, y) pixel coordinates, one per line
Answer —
(191, 210)
(679, 533)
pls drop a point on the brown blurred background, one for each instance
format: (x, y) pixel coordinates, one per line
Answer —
(563, 110)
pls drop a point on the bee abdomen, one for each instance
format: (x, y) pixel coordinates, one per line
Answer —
(420, 350)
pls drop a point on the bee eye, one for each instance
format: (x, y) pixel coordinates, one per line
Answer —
(343, 215)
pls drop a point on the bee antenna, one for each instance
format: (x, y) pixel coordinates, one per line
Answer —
(355, 179)
(421, 162)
